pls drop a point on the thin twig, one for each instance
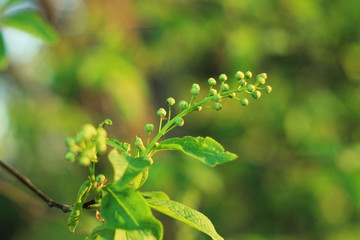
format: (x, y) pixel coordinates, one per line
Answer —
(51, 203)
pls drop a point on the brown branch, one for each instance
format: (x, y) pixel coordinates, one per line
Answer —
(50, 202)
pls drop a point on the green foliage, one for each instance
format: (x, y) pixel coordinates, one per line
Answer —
(123, 209)
(206, 149)
(25, 20)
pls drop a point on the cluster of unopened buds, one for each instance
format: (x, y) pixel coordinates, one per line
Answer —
(89, 141)
(212, 100)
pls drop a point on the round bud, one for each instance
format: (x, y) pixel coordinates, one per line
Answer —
(268, 89)
(263, 75)
(239, 75)
(179, 122)
(70, 142)
(256, 94)
(222, 77)
(217, 106)
(251, 87)
(217, 97)
(88, 131)
(242, 83)
(244, 101)
(212, 92)
(84, 160)
(170, 101)
(183, 104)
(195, 89)
(149, 127)
(224, 86)
(100, 178)
(248, 75)
(161, 112)
(260, 80)
(70, 156)
(212, 81)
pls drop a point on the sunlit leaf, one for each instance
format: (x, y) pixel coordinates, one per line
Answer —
(185, 214)
(135, 166)
(83, 193)
(32, 23)
(205, 149)
(129, 211)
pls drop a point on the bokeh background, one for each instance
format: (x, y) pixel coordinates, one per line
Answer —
(298, 171)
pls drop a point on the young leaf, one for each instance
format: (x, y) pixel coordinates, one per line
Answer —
(135, 166)
(206, 149)
(3, 60)
(185, 214)
(155, 195)
(102, 233)
(124, 147)
(31, 22)
(129, 211)
(78, 206)
(119, 163)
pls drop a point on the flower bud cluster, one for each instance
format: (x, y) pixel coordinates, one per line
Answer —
(88, 142)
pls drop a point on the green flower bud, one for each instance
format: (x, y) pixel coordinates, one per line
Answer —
(100, 179)
(242, 83)
(239, 75)
(212, 92)
(217, 106)
(244, 101)
(195, 89)
(88, 131)
(268, 89)
(212, 81)
(84, 160)
(70, 156)
(179, 122)
(222, 77)
(183, 104)
(224, 86)
(232, 95)
(248, 75)
(263, 75)
(256, 94)
(149, 127)
(251, 87)
(70, 142)
(217, 97)
(161, 112)
(100, 140)
(170, 101)
(260, 80)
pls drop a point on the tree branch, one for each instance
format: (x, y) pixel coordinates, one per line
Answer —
(50, 202)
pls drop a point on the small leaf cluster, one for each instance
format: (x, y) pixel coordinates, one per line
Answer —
(123, 210)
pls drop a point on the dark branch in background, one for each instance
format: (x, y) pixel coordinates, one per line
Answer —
(51, 203)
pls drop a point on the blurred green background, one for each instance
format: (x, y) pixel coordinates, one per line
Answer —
(298, 171)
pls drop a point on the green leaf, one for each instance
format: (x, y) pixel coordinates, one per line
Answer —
(185, 214)
(31, 22)
(3, 59)
(206, 149)
(119, 164)
(83, 193)
(129, 211)
(155, 195)
(102, 233)
(124, 147)
(135, 166)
